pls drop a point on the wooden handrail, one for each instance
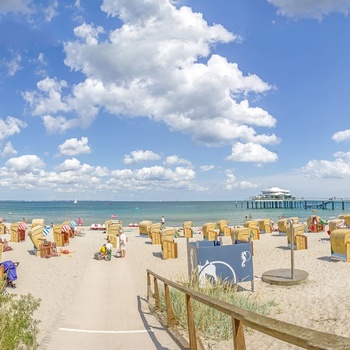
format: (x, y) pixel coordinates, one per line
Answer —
(303, 337)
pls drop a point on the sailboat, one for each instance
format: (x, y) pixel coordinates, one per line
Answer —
(75, 201)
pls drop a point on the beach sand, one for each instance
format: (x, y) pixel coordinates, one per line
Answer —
(321, 303)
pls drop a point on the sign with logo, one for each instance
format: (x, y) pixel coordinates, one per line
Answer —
(209, 262)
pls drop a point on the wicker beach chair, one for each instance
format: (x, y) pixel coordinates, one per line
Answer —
(36, 235)
(188, 229)
(60, 236)
(18, 231)
(145, 227)
(253, 225)
(299, 238)
(223, 228)
(169, 246)
(340, 244)
(265, 225)
(241, 235)
(209, 232)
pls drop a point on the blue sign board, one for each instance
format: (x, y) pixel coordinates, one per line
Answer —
(232, 263)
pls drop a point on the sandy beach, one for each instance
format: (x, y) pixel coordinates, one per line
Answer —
(321, 303)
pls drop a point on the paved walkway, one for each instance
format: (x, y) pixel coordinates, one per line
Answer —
(108, 314)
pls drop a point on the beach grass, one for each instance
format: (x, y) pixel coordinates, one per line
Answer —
(212, 324)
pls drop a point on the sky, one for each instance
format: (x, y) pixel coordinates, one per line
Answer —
(157, 100)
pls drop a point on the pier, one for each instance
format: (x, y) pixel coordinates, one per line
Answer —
(331, 204)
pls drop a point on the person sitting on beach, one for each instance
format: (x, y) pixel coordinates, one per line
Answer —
(103, 252)
(109, 248)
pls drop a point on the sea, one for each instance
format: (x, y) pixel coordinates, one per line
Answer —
(175, 213)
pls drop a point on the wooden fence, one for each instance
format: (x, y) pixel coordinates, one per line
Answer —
(292, 334)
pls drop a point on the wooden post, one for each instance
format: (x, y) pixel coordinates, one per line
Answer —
(156, 294)
(171, 319)
(149, 290)
(238, 334)
(190, 324)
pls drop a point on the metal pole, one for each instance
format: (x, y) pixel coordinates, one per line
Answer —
(291, 247)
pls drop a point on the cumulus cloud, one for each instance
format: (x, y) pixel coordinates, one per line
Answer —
(74, 146)
(231, 182)
(140, 156)
(8, 150)
(181, 83)
(339, 168)
(10, 126)
(174, 159)
(311, 8)
(251, 152)
(88, 33)
(341, 136)
(25, 164)
(155, 178)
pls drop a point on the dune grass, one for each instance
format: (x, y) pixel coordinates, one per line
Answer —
(212, 324)
(18, 328)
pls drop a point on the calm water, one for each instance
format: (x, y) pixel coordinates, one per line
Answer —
(133, 212)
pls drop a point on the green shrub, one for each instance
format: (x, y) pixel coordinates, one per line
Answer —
(18, 329)
(211, 323)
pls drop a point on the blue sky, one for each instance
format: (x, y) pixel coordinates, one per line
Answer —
(174, 100)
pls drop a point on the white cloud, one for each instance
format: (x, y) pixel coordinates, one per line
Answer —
(205, 168)
(8, 150)
(51, 11)
(15, 6)
(89, 33)
(251, 152)
(10, 126)
(25, 164)
(74, 146)
(181, 83)
(311, 8)
(174, 159)
(339, 168)
(232, 183)
(341, 136)
(14, 65)
(140, 156)
(152, 178)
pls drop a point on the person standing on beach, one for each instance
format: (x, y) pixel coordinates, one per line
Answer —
(163, 221)
(122, 238)
(109, 248)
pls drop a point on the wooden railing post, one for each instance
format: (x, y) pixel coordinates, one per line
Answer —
(238, 334)
(156, 294)
(149, 289)
(171, 319)
(190, 324)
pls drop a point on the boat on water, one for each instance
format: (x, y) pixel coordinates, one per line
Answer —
(75, 201)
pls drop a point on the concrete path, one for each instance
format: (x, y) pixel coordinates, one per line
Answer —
(108, 314)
